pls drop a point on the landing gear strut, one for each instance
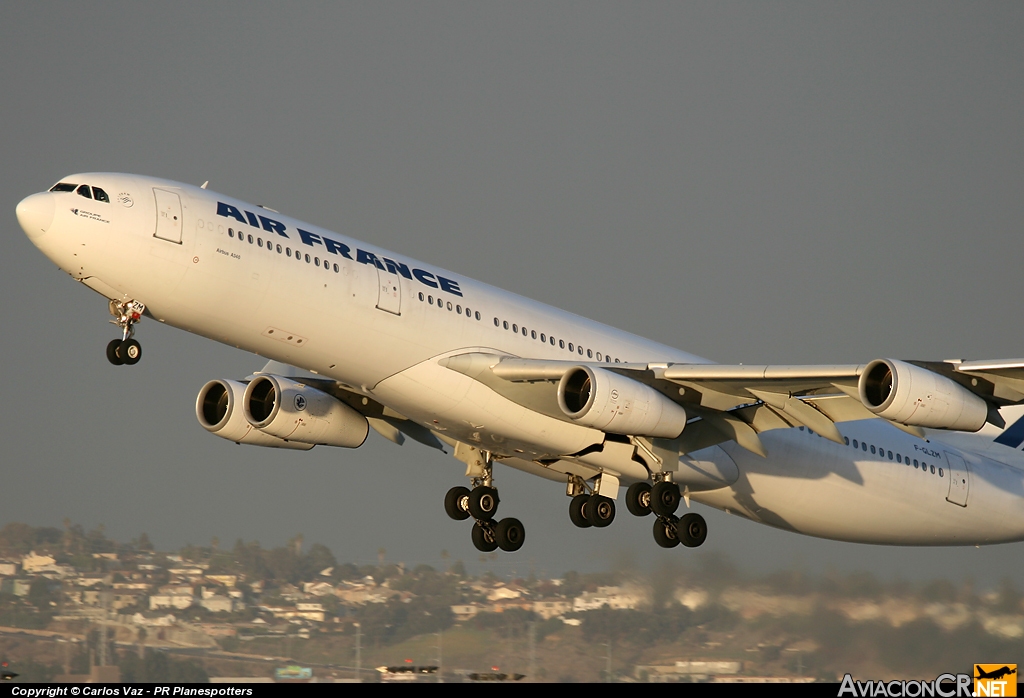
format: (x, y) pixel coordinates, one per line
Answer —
(663, 500)
(125, 350)
(481, 503)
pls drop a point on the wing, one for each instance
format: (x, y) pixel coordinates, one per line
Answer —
(739, 402)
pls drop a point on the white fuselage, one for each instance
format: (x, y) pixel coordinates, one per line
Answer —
(378, 323)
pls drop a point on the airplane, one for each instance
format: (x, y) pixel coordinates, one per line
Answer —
(897, 452)
(995, 674)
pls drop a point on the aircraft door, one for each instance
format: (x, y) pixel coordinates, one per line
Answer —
(389, 292)
(168, 216)
(959, 479)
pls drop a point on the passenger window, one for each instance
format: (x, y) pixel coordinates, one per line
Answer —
(543, 337)
(570, 346)
(504, 323)
(259, 242)
(288, 251)
(590, 354)
(421, 297)
(872, 450)
(250, 239)
(552, 341)
(533, 334)
(336, 269)
(279, 249)
(863, 446)
(598, 356)
(915, 462)
(440, 302)
(617, 361)
(430, 299)
(933, 469)
(231, 233)
(579, 350)
(449, 305)
(478, 315)
(847, 440)
(63, 186)
(899, 458)
(890, 455)
(307, 259)
(495, 322)
(515, 328)
(84, 191)
(561, 344)
(524, 331)
(100, 195)
(940, 472)
(458, 309)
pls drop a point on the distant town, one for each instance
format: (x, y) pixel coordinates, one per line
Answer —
(78, 606)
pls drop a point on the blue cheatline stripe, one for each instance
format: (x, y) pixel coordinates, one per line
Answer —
(1014, 436)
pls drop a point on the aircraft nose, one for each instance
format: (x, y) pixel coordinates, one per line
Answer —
(35, 213)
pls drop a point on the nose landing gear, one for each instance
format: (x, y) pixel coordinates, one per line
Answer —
(125, 350)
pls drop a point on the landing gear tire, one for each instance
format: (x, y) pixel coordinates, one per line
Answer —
(509, 535)
(665, 498)
(665, 533)
(577, 511)
(638, 499)
(600, 511)
(456, 503)
(483, 503)
(692, 530)
(131, 351)
(483, 538)
(112, 355)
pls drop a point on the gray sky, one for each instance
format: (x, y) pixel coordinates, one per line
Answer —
(757, 182)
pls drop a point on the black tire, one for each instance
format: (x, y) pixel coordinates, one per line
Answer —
(483, 538)
(638, 499)
(454, 501)
(577, 511)
(692, 530)
(483, 503)
(131, 351)
(665, 498)
(510, 534)
(600, 511)
(112, 355)
(665, 533)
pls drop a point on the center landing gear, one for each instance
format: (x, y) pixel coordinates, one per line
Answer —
(663, 500)
(589, 508)
(481, 503)
(125, 350)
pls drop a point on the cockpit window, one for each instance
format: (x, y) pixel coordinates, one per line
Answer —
(84, 191)
(100, 195)
(63, 186)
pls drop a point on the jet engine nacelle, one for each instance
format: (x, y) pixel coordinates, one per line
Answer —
(601, 399)
(915, 396)
(219, 410)
(290, 410)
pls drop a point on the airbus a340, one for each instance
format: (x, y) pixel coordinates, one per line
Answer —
(359, 338)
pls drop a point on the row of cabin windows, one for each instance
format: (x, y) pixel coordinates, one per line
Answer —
(83, 190)
(561, 343)
(898, 457)
(457, 308)
(287, 251)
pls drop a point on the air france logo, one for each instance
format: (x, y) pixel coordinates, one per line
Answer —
(300, 403)
(330, 246)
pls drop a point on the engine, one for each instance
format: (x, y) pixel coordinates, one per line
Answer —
(915, 396)
(290, 410)
(218, 409)
(601, 399)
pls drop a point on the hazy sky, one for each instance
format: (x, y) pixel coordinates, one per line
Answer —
(753, 182)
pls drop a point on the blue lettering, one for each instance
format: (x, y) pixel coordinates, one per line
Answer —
(449, 286)
(336, 247)
(309, 238)
(252, 219)
(425, 277)
(272, 226)
(368, 258)
(229, 211)
(397, 268)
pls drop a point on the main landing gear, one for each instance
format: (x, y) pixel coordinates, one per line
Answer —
(481, 503)
(589, 508)
(663, 500)
(125, 350)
